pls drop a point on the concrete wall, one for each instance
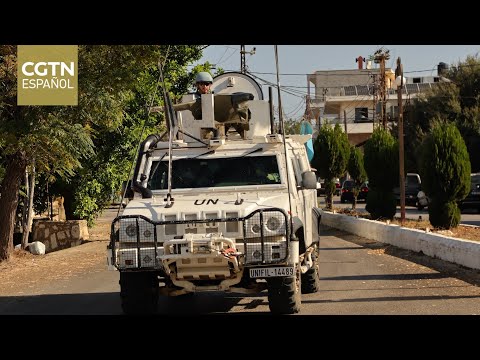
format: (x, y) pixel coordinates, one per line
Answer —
(57, 235)
(458, 251)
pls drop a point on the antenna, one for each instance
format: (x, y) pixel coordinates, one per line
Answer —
(173, 130)
(380, 56)
(282, 130)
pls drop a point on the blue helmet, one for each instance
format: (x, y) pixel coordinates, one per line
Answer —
(203, 76)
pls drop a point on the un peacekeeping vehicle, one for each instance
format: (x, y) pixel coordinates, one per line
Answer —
(221, 203)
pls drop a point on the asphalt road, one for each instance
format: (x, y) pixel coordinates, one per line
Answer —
(358, 277)
(469, 216)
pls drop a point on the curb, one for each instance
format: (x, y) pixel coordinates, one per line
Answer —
(458, 251)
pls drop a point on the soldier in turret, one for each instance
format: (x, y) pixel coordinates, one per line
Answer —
(203, 82)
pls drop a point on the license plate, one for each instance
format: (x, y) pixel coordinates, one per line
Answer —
(271, 272)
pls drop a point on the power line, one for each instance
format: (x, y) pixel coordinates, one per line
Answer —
(333, 72)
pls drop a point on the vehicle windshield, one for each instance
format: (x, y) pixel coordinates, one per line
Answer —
(215, 172)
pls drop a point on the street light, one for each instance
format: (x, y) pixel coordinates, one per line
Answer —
(400, 81)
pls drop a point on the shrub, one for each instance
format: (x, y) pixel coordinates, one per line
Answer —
(445, 170)
(381, 165)
(331, 154)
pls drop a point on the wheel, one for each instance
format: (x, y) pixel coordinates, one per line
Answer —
(139, 292)
(284, 294)
(311, 279)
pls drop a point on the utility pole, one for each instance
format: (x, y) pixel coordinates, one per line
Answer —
(308, 112)
(380, 56)
(243, 64)
(399, 75)
(242, 59)
(375, 97)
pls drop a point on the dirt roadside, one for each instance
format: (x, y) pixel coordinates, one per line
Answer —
(25, 272)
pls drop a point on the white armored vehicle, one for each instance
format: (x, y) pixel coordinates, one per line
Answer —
(221, 203)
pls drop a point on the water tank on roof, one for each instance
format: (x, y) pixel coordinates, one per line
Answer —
(442, 68)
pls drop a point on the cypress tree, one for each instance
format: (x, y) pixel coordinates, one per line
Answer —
(445, 170)
(381, 165)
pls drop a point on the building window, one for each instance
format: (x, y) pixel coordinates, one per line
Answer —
(361, 115)
(393, 112)
(417, 80)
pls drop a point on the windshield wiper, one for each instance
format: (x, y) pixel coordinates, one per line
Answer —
(207, 153)
(156, 166)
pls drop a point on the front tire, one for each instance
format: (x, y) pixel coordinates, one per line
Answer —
(139, 292)
(311, 279)
(284, 294)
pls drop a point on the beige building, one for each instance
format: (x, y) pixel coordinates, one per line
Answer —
(354, 97)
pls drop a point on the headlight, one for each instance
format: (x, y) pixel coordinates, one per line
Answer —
(267, 223)
(273, 223)
(131, 230)
(256, 229)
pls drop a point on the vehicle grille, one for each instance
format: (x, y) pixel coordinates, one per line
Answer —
(261, 237)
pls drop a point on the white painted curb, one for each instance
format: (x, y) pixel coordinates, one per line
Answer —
(459, 251)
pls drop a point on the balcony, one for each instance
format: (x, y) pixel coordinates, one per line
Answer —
(366, 90)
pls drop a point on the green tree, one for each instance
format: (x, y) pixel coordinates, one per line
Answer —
(381, 165)
(292, 127)
(31, 133)
(116, 142)
(456, 101)
(60, 138)
(356, 170)
(445, 172)
(331, 154)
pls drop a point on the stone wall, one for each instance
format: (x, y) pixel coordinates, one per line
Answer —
(57, 235)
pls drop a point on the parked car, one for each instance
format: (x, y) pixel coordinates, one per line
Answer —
(338, 186)
(413, 184)
(321, 191)
(362, 194)
(472, 201)
(346, 192)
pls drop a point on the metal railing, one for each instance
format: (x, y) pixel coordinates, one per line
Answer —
(368, 90)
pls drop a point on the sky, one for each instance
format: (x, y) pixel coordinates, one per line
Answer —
(417, 60)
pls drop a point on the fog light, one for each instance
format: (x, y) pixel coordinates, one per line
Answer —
(273, 223)
(131, 230)
(256, 228)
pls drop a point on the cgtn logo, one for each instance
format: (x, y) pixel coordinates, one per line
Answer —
(47, 74)
(44, 75)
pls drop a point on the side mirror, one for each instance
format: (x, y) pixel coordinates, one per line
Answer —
(309, 180)
(129, 194)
